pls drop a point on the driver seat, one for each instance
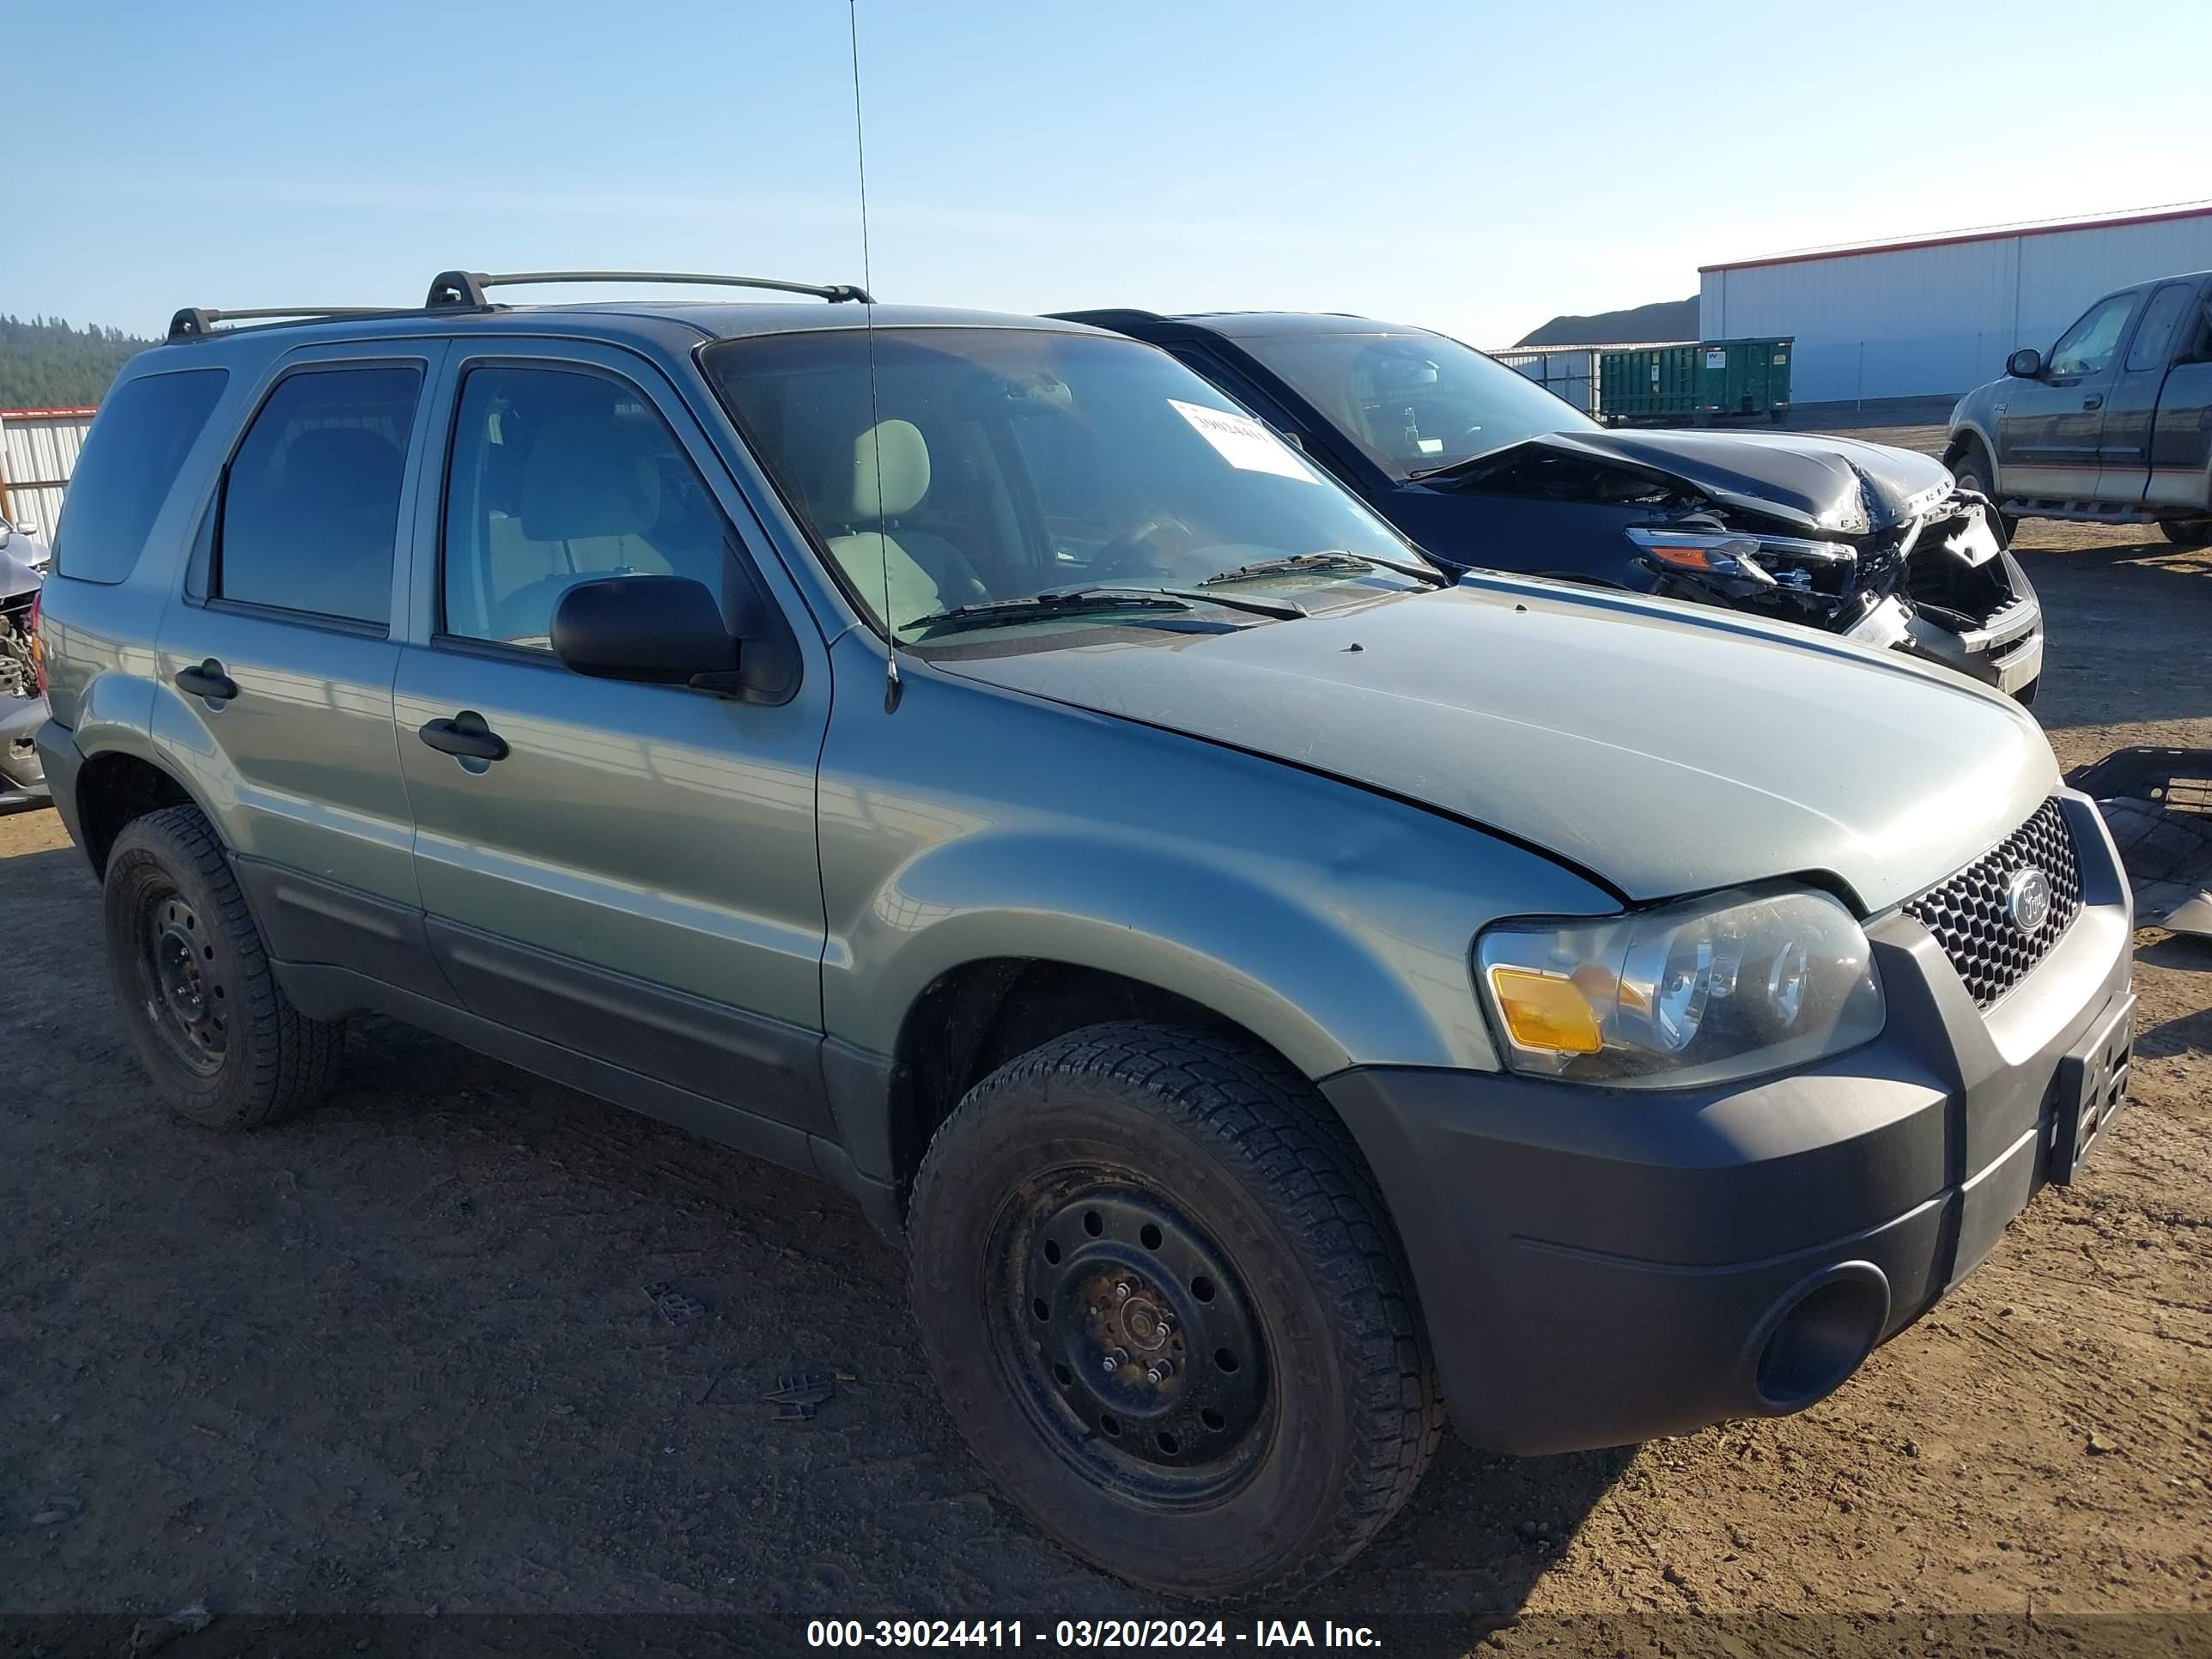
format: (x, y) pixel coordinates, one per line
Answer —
(923, 572)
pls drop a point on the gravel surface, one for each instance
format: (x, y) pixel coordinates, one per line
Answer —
(399, 1357)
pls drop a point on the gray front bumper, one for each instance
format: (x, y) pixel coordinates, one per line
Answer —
(1599, 1266)
(22, 775)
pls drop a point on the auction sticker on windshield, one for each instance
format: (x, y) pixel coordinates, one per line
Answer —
(1243, 442)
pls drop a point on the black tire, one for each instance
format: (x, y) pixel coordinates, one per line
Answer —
(1973, 471)
(2186, 532)
(1047, 1183)
(214, 1031)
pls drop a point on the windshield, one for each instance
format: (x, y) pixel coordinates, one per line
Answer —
(992, 464)
(1411, 400)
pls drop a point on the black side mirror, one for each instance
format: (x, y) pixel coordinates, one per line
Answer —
(665, 630)
(2025, 364)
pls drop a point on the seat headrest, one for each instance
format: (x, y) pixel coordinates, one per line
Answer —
(590, 473)
(891, 471)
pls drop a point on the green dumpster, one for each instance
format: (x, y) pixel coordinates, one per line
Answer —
(1701, 383)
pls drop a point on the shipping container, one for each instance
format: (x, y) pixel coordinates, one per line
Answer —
(1701, 383)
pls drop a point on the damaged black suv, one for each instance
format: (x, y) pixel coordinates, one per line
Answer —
(1484, 468)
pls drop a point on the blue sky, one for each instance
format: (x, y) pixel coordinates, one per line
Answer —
(1469, 167)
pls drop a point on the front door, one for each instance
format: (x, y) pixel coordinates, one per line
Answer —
(625, 870)
(2049, 432)
(277, 667)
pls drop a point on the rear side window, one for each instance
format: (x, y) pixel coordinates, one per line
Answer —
(131, 458)
(2168, 309)
(310, 503)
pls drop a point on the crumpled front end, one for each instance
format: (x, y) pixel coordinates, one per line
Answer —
(1876, 543)
(22, 706)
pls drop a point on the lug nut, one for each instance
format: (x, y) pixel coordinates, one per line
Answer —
(1112, 1363)
(1124, 1291)
(1159, 1372)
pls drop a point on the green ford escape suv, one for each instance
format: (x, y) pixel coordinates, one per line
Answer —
(1275, 991)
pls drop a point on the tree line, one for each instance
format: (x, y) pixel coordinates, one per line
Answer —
(45, 363)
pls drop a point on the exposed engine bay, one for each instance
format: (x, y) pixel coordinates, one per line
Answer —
(19, 673)
(1877, 544)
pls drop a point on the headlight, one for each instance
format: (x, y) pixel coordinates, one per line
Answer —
(1717, 988)
(1735, 553)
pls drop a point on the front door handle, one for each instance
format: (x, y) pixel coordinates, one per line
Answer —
(465, 735)
(2095, 400)
(208, 681)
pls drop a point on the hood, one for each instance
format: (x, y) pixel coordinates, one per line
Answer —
(1666, 749)
(16, 577)
(1821, 483)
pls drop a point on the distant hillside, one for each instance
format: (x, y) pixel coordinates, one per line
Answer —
(1667, 319)
(46, 364)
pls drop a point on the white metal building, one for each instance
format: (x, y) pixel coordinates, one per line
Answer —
(1937, 314)
(38, 453)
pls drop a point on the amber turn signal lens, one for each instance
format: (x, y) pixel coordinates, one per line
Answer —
(1544, 1011)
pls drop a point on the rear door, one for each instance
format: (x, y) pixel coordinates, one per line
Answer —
(2181, 430)
(2132, 408)
(275, 670)
(2049, 433)
(635, 877)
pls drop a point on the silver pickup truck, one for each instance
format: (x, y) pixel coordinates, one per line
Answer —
(2113, 425)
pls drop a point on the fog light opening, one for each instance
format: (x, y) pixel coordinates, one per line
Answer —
(1821, 1337)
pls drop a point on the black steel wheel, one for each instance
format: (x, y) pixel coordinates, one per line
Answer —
(1141, 1353)
(214, 1030)
(180, 984)
(1166, 1306)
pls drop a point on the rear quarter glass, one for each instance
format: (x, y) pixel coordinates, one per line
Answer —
(131, 457)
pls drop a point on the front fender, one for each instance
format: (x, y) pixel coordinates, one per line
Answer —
(1331, 923)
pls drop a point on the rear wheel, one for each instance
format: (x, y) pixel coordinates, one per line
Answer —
(1166, 1305)
(224, 1045)
(2186, 532)
(1973, 471)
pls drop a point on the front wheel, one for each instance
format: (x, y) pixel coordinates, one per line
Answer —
(2186, 532)
(1973, 471)
(1166, 1308)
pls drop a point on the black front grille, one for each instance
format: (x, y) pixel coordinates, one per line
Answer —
(1968, 914)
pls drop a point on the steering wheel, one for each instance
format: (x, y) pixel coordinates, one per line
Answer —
(1142, 550)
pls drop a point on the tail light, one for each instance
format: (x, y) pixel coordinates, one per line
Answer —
(38, 645)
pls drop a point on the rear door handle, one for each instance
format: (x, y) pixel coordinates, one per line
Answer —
(465, 735)
(2095, 402)
(208, 681)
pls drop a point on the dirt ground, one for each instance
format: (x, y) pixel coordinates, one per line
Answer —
(398, 1358)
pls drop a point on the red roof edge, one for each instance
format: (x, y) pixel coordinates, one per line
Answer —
(40, 414)
(1998, 234)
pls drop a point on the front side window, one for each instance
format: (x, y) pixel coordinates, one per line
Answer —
(310, 503)
(131, 458)
(992, 464)
(1412, 401)
(2088, 347)
(558, 476)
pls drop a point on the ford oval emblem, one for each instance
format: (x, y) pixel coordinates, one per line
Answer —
(2027, 901)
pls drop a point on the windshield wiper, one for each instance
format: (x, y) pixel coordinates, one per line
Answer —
(994, 613)
(1334, 559)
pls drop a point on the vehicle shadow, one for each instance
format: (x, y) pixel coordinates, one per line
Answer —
(1466, 1554)
(2125, 623)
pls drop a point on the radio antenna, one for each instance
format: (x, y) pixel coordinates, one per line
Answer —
(892, 686)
